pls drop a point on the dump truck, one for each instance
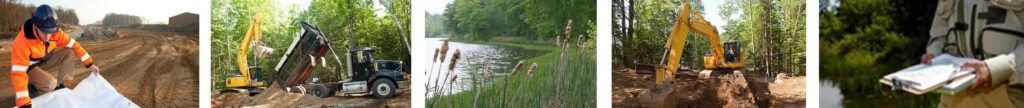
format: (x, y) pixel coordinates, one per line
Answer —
(363, 75)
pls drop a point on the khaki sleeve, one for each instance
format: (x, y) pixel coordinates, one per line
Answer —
(940, 27)
(1002, 67)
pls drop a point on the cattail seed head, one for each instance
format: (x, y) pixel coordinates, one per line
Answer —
(444, 50)
(454, 77)
(558, 40)
(568, 28)
(435, 54)
(454, 59)
(516, 68)
(532, 67)
(579, 40)
(487, 72)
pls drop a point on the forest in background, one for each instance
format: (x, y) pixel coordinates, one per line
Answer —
(341, 21)
(14, 14)
(770, 33)
(522, 20)
(863, 40)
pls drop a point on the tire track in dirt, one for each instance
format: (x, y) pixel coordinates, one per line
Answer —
(153, 69)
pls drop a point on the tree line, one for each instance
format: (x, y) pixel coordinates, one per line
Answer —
(525, 19)
(770, 33)
(341, 21)
(16, 13)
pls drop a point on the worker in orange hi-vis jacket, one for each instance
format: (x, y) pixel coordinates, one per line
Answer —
(39, 36)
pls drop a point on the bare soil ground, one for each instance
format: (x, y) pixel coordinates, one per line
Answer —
(276, 98)
(791, 93)
(153, 69)
(722, 89)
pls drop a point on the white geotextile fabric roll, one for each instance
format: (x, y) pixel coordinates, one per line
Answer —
(92, 92)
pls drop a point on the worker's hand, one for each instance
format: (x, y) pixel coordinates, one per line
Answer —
(927, 58)
(981, 71)
(95, 69)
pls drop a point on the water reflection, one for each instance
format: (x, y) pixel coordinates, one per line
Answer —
(830, 96)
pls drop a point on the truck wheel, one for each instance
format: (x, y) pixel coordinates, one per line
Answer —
(322, 91)
(383, 88)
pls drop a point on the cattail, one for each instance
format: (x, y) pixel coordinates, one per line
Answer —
(568, 28)
(454, 77)
(579, 40)
(532, 67)
(514, 69)
(558, 41)
(487, 72)
(455, 59)
(435, 54)
(444, 49)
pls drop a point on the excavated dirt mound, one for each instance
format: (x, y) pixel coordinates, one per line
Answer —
(153, 69)
(276, 98)
(722, 89)
(790, 93)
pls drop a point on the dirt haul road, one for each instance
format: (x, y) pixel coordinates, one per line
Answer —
(151, 68)
(276, 98)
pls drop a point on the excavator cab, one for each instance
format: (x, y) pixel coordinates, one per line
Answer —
(236, 79)
(732, 51)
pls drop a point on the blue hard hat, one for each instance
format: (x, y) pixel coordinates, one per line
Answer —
(45, 19)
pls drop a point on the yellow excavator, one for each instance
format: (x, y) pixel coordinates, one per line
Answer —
(722, 57)
(245, 81)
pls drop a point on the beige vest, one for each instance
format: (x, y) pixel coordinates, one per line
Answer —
(989, 30)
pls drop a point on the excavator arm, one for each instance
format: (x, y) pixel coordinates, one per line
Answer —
(253, 33)
(686, 22)
(662, 93)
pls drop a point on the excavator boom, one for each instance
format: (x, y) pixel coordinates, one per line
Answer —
(253, 33)
(687, 22)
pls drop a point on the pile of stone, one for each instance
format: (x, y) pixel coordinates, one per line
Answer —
(96, 33)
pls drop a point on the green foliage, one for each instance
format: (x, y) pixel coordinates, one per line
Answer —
(341, 21)
(530, 19)
(862, 40)
(229, 22)
(435, 25)
(770, 32)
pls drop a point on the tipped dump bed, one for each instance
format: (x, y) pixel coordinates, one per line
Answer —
(296, 66)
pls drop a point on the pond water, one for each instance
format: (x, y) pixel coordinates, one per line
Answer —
(829, 95)
(864, 93)
(474, 60)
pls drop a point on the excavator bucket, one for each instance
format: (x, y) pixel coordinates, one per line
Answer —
(660, 96)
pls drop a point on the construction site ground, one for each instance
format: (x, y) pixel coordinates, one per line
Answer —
(721, 89)
(150, 68)
(274, 97)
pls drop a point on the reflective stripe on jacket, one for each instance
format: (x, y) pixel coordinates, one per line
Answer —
(28, 51)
